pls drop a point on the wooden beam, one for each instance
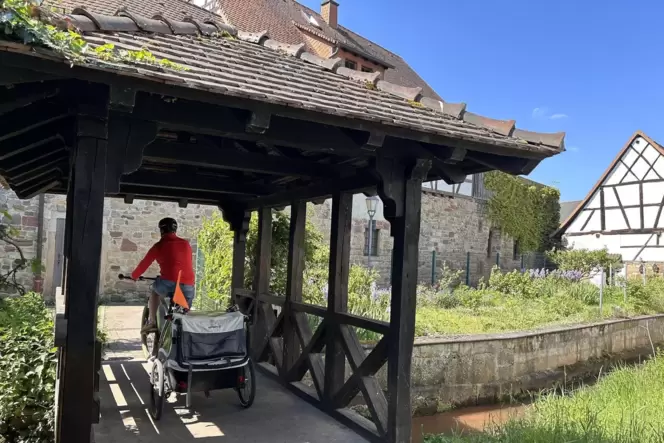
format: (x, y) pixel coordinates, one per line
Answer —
(294, 281)
(511, 165)
(38, 175)
(48, 151)
(363, 181)
(127, 138)
(24, 95)
(171, 195)
(238, 219)
(364, 368)
(28, 144)
(183, 181)
(16, 76)
(89, 170)
(401, 192)
(122, 97)
(447, 172)
(312, 345)
(225, 122)
(337, 298)
(38, 188)
(262, 274)
(203, 155)
(30, 118)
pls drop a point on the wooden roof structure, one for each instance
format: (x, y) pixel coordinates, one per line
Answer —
(191, 111)
(357, 114)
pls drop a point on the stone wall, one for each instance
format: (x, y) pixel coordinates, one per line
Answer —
(452, 226)
(496, 367)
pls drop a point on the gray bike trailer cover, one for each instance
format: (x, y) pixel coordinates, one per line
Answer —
(205, 336)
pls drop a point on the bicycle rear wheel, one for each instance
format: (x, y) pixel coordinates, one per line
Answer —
(150, 340)
(246, 388)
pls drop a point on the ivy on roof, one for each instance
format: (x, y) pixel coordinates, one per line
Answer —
(26, 21)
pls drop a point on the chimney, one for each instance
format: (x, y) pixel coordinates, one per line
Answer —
(329, 9)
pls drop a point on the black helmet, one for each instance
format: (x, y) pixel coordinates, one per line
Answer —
(168, 226)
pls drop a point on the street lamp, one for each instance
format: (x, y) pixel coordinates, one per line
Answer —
(372, 205)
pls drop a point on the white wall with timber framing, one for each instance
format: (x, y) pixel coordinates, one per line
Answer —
(623, 211)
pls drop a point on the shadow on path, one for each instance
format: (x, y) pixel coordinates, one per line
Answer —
(277, 416)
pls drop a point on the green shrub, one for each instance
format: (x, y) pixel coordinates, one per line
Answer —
(216, 242)
(584, 260)
(27, 365)
(513, 283)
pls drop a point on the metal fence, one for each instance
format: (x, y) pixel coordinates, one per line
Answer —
(468, 267)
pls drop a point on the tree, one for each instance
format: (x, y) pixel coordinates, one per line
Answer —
(215, 240)
(584, 260)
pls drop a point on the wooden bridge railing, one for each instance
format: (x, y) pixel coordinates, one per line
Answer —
(284, 344)
(293, 360)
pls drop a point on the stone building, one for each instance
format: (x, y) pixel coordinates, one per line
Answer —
(453, 225)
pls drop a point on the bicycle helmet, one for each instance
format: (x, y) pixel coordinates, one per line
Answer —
(168, 226)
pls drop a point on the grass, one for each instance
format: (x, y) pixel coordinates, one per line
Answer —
(515, 302)
(626, 406)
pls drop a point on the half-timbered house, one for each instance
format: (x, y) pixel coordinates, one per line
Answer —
(623, 211)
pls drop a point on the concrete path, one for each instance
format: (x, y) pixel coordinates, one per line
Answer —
(277, 416)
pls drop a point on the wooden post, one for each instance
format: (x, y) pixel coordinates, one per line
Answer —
(401, 191)
(261, 277)
(295, 275)
(84, 226)
(337, 298)
(238, 219)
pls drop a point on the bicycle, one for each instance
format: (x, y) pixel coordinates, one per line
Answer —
(151, 339)
(212, 345)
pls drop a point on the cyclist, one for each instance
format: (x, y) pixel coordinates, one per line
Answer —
(174, 255)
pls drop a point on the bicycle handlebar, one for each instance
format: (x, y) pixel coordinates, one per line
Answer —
(127, 277)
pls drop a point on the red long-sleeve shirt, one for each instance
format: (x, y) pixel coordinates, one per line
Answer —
(173, 255)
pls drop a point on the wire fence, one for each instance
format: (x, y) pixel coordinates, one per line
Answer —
(472, 266)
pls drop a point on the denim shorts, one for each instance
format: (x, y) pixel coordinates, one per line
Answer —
(166, 288)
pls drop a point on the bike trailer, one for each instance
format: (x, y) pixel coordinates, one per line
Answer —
(207, 341)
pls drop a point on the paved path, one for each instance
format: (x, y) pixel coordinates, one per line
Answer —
(277, 416)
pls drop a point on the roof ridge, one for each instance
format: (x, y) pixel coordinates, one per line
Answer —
(125, 21)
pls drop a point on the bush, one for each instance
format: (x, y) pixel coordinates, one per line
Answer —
(585, 260)
(27, 365)
(216, 242)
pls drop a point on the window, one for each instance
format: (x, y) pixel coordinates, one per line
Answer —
(515, 250)
(310, 18)
(374, 240)
(367, 69)
(489, 245)
(350, 64)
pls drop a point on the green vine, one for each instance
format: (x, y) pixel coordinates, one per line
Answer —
(527, 212)
(26, 21)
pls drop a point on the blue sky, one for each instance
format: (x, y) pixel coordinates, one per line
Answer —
(587, 67)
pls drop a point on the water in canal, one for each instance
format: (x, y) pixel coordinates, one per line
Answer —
(470, 419)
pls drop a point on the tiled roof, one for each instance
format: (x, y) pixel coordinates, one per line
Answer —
(257, 67)
(282, 19)
(170, 9)
(566, 209)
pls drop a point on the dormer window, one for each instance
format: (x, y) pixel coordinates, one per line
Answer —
(310, 19)
(350, 64)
